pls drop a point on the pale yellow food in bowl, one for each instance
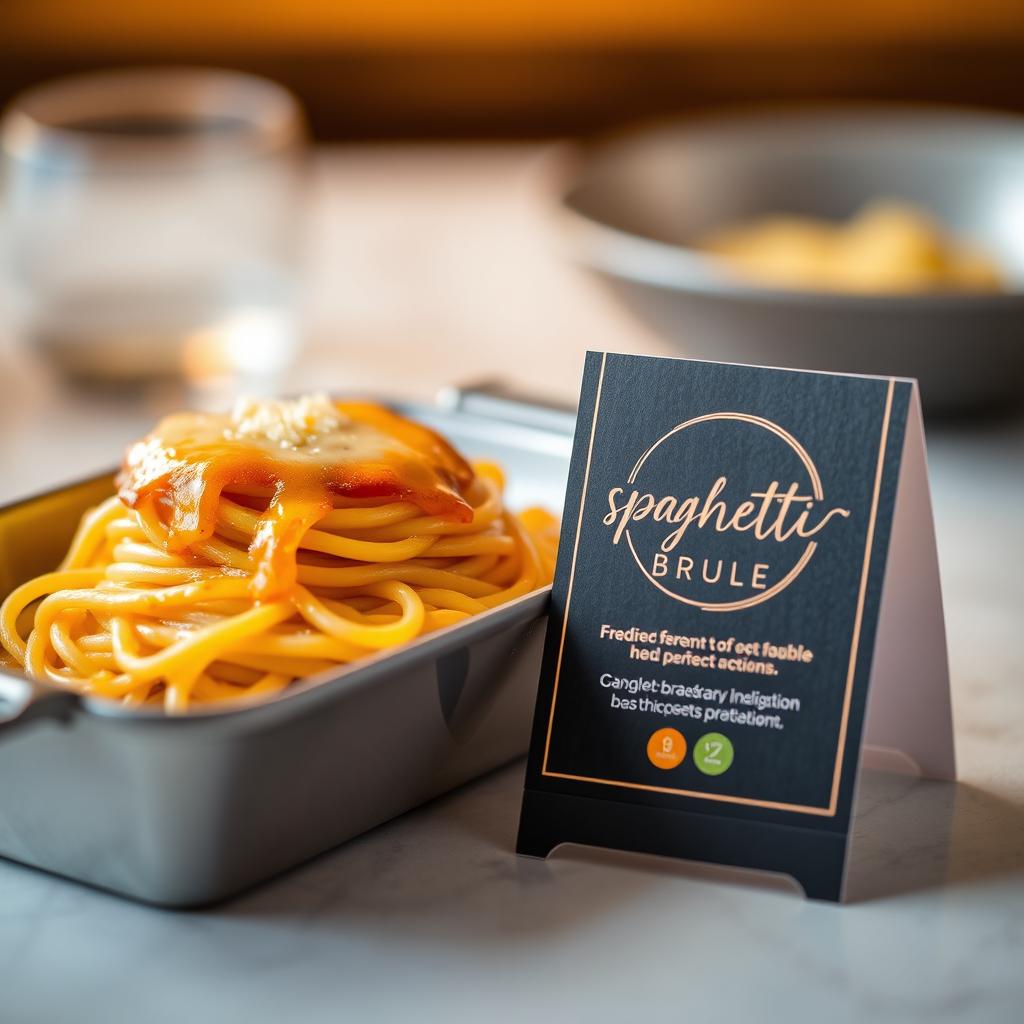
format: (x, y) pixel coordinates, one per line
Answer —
(888, 247)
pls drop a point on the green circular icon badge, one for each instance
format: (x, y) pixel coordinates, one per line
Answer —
(712, 753)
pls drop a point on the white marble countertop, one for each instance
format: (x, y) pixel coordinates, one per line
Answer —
(432, 916)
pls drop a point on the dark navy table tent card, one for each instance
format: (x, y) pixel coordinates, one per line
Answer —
(747, 596)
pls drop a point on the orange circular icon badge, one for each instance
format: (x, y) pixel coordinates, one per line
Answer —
(666, 748)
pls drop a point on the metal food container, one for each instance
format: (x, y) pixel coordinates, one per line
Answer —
(184, 811)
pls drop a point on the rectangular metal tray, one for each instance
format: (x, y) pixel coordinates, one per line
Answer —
(184, 811)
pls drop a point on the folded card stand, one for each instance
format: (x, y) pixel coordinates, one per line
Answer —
(747, 598)
(909, 708)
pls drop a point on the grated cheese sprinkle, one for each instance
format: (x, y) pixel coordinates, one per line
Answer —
(291, 424)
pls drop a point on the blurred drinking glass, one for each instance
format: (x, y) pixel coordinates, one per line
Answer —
(152, 221)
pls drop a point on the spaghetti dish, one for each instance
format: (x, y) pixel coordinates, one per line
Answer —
(245, 551)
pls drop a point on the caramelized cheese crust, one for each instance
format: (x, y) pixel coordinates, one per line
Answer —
(296, 462)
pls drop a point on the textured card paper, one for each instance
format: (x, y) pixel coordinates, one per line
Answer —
(746, 554)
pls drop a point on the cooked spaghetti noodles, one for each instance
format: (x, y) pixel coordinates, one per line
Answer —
(244, 552)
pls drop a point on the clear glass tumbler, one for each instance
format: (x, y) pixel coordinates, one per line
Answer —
(152, 220)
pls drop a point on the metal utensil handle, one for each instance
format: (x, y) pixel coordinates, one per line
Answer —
(494, 400)
(24, 700)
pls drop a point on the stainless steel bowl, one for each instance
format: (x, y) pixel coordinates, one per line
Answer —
(631, 205)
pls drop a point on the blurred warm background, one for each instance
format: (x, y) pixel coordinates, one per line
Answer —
(426, 242)
(447, 68)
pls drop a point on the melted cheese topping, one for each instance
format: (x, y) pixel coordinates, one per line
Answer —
(298, 456)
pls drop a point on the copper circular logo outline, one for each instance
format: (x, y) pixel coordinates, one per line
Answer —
(816, 487)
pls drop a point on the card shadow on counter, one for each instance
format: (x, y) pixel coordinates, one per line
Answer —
(448, 870)
(912, 834)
